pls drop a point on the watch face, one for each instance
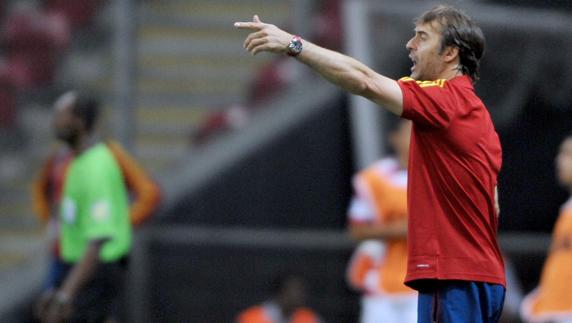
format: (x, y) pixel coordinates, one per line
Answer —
(295, 46)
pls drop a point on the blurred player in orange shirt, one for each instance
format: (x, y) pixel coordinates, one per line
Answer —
(286, 305)
(48, 186)
(378, 217)
(551, 301)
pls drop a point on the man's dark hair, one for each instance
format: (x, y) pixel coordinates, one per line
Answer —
(458, 30)
(282, 279)
(86, 108)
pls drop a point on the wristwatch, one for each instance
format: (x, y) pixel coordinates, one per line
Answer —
(295, 47)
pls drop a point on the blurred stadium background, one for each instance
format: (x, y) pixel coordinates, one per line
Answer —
(255, 155)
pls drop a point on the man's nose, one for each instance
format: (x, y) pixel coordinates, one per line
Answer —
(409, 44)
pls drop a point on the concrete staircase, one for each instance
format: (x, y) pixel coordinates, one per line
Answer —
(191, 63)
(22, 242)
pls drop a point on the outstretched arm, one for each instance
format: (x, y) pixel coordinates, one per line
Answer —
(341, 70)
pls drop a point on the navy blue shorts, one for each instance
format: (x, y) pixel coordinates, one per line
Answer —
(454, 301)
(56, 271)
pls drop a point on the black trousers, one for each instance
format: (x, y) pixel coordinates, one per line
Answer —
(103, 296)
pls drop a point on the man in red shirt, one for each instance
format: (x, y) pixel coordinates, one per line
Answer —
(453, 255)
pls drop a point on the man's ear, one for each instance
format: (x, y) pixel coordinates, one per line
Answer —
(450, 53)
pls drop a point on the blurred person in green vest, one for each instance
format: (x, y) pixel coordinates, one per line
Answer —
(95, 231)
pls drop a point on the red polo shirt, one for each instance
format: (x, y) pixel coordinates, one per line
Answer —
(455, 157)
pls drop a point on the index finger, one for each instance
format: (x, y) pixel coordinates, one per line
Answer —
(248, 25)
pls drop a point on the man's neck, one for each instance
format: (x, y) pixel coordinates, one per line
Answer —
(450, 72)
(83, 143)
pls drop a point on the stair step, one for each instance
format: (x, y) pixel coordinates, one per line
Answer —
(168, 126)
(16, 245)
(187, 61)
(193, 86)
(236, 73)
(159, 156)
(15, 196)
(180, 99)
(169, 131)
(12, 259)
(194, 47)
(16, 239)
(204, 21)
(231, 9)
(163, 142)
(170, 116)
(17, 217)
(176, 33)
(157, 167)
(15, 207)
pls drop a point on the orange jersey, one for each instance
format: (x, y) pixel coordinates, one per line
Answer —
(552, 298)
(363, 269)
(145, 192)
(49, 184)
(381, 199)
(269, 313)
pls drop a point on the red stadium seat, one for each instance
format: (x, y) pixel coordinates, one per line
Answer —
(267, 82)
(7, 100)
(32, 42)
(231, 118)
(79, 13)
(327, 25)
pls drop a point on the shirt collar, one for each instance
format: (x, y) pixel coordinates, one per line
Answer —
(462, 80)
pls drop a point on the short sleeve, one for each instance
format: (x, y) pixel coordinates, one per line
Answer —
(427, 103)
